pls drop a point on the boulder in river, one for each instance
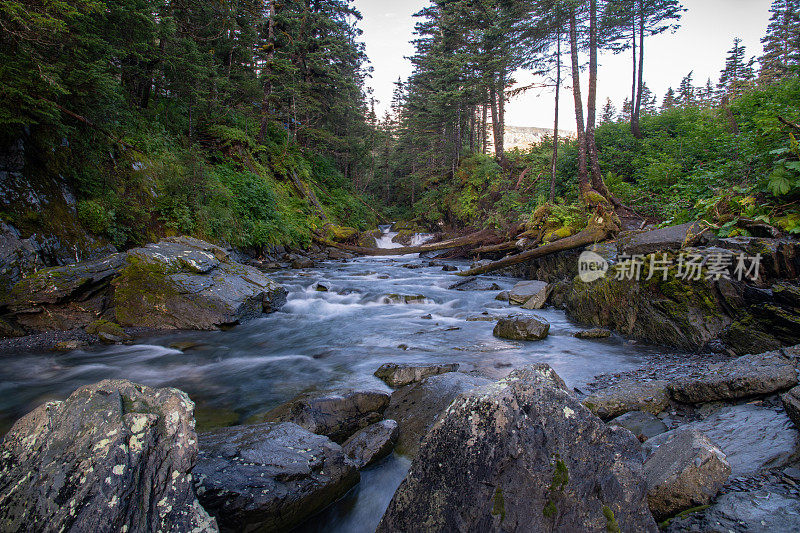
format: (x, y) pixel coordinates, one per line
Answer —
(752, 438)
(658, 240)
(648, 396)
(334, 414)
(400, 375)
(686, 472)
(596, 333)
(185, 283)
(372, 443)
(529, 294)
(522, 455)
(114, 456)
(522, 329)
(416, 406)
(269, 477)
(474, 284)
(747, 376)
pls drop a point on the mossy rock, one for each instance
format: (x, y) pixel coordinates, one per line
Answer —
(105, 326)
(341, 233)
(561, 233)
(369, 239)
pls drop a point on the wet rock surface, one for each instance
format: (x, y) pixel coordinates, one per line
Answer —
(522, 454)
(397, 376)
(596, 333)
(114, 456)
(686, 472)
(522, 329)
(372, 443)
(747, 376)
(791, 402)
(415, 407)
(648, 396)
(335, 414)
(269, 477)
(752, 438)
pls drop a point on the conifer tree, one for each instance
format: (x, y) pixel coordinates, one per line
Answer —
(782, 41)
(609, 112)
(686, 91)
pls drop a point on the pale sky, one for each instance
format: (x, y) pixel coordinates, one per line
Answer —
(706, 34)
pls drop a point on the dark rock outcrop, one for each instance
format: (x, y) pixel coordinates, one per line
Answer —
(372, 443)
(269, 477)
(686, 472)
(335, 414)
(522, 455)
(400, 375)
(415, 407)
(114, 456)
(522, 329)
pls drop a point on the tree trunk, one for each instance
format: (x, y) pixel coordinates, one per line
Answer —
(591, 106)
(634, 83)
(637, 106)
(555, 126)
(265, 115)
(600, 228)
(496, 98)
(583, 176)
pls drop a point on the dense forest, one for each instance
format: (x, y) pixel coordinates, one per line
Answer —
(249, 123)
(723, 149)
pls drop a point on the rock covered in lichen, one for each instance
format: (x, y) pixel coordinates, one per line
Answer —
(648, 396)
(400, 375)
(522, 455)
(114, 456)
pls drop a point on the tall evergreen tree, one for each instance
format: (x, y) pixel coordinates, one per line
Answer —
(609, 113)
(686, 91)
(738, 72)
(782, 41)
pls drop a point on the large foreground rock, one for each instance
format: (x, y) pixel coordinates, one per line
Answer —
(269, 477)
(185, 283)
(747, 376)
(415, 407)
(522, 329)
(643, 425)
(522, 455)
(686, 472)
(752, 438)
(648, 396)
(334, 414)
(114, 456)
(400, 375)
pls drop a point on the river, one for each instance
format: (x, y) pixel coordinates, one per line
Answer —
(320, 341)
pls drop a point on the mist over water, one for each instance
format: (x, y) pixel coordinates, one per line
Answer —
(324, 341)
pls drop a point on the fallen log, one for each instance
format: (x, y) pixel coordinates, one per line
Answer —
(600, 228)
(473, 239)
(502, 247)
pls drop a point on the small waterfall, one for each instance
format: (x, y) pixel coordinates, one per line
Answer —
(385, 241)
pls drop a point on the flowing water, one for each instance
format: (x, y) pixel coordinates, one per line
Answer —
(324, 341)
